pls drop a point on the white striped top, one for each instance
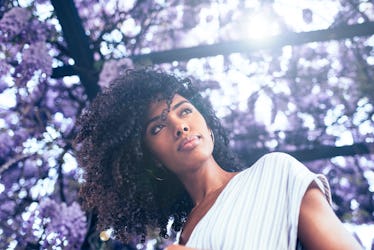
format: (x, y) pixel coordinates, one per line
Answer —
(259, 207)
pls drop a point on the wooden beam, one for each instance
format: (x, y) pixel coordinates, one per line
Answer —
(245, 46)
(249, 156)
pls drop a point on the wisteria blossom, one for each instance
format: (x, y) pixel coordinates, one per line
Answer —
(13, 23)
(59, 225)
(34, 58)
(112, 68)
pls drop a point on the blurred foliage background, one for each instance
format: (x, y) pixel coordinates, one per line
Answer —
(291, 76)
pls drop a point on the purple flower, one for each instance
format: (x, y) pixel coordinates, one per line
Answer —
(64, 226)
(4, 67)
(6, 144)
(3, 84)
(111, 69)
(13, 23)
(48, 208)
(7, 209)
(30, 169)
(307, 15)
(34, 58)
(50, 98)
(37, 56)
(10, 178)
(36, 31)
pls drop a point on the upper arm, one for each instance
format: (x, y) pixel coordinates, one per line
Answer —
(319, 227)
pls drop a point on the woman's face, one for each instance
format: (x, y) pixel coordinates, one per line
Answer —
(180, 139)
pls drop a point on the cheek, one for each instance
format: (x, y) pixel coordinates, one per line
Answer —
(158, 148)
(203, 127)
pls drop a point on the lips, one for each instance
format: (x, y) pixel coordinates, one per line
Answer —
(189, 143)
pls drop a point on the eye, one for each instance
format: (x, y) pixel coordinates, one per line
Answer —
(185, 111)
(156, 129)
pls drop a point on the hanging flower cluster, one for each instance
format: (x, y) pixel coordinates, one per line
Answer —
(58, 225)
(13, 23)
(23, 46)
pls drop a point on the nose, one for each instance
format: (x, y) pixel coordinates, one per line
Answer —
(181, 129)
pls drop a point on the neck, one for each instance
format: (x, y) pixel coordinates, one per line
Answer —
(205, 180)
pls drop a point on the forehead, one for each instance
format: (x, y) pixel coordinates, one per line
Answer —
(156, 107)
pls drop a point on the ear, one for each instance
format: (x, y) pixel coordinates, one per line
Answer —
(211, 134)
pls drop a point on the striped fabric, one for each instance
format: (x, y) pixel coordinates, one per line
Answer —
(259, 207)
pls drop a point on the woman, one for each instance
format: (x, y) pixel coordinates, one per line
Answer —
(153, 149)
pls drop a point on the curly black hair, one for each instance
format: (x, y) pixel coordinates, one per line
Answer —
(123, 183)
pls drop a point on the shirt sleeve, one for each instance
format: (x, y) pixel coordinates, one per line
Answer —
(299, 178)
(259, 208)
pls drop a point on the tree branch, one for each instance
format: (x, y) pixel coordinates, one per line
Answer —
(66, 70)
(78, 46)
(12, 161)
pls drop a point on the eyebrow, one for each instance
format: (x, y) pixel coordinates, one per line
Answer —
(159, 116)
